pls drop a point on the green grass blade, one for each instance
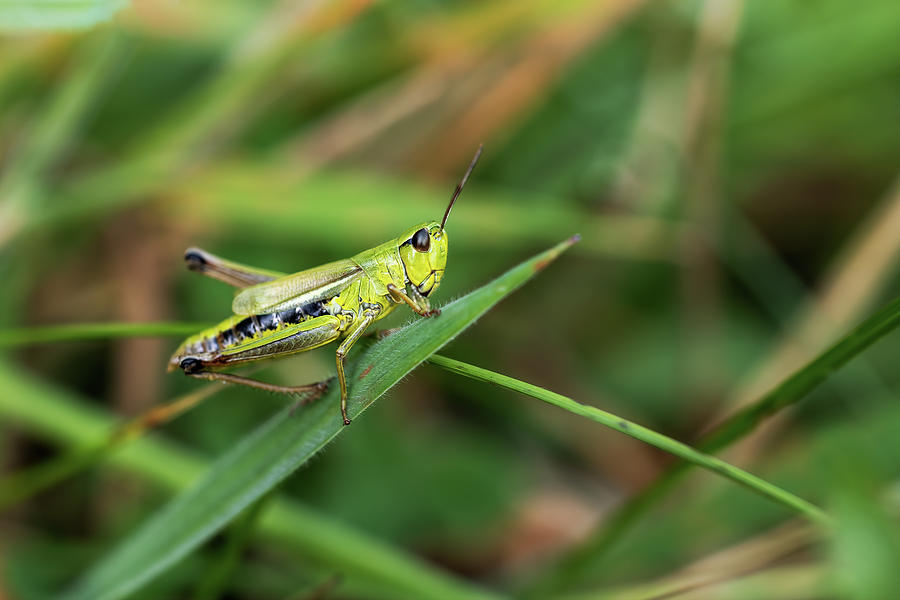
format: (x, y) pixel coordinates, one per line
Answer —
(789, 392)
(802, 382)
(28, 15)
(639, 432)
(92, 331)
(214, 583)
(273, 451)
(58, 415)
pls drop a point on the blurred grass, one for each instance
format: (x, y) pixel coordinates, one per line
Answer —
(16, 15)
(728, 163)
(21, 184)
(81, 331)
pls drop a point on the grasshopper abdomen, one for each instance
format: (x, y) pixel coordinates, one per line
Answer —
(208, 346)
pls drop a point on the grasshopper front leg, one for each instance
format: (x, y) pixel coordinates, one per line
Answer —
(355, 333)
(418, 302)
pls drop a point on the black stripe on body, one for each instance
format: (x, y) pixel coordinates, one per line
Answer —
(228, 338)
(291, 315)
(267, 321)
(315, 309)
(245, 329)
(256, 324)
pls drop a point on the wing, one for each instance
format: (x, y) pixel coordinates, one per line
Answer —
(232, 273)
(298, 289)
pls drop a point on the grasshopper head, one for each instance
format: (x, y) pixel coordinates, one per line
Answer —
(423, 248)
(424, 254)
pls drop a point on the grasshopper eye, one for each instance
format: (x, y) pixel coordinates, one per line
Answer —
(421, 241)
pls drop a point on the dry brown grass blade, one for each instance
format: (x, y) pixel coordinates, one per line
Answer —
(449, 82)
(707, 576)
(365, 119)
(749, 556)
(789, 582)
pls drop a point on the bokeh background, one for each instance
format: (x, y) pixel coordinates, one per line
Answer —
(730, 165)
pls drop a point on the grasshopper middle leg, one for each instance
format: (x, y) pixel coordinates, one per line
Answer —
(359, 328)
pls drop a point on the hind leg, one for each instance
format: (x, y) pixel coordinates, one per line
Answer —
(313, 388)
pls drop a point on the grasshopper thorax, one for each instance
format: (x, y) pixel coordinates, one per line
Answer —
(423, 250)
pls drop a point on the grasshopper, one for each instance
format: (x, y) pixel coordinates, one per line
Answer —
(276, 315)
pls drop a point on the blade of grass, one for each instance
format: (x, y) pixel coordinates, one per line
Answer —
(30, 15)
(857, 276)
(263, 459)
(789, 392)
(214, 584)
(60, 416)
(787, 582)
(770, 547)
(93, 331)
(803, 381)
(638, 432)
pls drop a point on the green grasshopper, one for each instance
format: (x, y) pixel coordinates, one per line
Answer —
(276, 315)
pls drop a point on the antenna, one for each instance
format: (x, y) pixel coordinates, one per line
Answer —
(462, 182)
